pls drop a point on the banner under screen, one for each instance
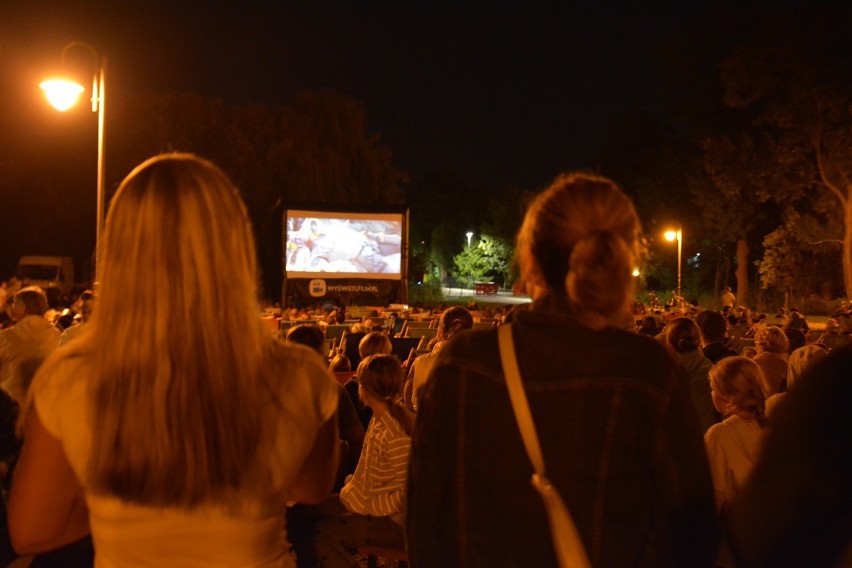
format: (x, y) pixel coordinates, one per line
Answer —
(321, 244)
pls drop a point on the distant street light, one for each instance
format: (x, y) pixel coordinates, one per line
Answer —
(63, 94)
(671, 236)
(469, 235)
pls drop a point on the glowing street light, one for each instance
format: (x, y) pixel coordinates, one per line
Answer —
(62, 95)
(469, 235)
(671, 236)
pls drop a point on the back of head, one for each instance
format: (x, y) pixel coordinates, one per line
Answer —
(33, 300)
(340, 363)
(373, 343)
(176, 344)
(800, 360)
(712, 325)
(739, 380)
(683, 335)
(310, 335)
(771, 339)
(579, 240)
(795, 339)
(382, 377)
(454, 320)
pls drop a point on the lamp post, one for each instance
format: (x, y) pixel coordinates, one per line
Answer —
(670, 236)
(469, 235)
(63, 94)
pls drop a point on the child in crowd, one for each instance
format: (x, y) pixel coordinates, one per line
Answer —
(734, 444)
(370, 505)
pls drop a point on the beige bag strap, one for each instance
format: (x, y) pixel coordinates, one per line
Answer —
(569, 548)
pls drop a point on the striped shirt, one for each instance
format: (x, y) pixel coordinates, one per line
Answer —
(377, 488)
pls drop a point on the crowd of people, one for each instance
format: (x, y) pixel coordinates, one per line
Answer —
(174, 429)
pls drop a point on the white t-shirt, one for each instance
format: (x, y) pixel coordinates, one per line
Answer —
(129, 535)
(733, 446)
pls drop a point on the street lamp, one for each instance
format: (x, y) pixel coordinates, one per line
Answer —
(469, 235)
(63, 94)
(670, 236)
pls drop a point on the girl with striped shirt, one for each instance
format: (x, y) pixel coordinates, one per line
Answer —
(371, 504)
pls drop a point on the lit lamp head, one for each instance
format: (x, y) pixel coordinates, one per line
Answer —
(670, 235)
(61, 93)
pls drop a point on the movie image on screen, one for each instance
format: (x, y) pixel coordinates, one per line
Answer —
(319, 244)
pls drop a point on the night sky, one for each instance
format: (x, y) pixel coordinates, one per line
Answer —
(499, 93)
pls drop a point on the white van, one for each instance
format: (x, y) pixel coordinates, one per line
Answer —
(49, 272)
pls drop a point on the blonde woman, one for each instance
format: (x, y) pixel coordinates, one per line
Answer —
(617, 426)
(174, 427)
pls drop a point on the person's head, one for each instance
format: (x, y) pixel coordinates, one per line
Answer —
(310, 335)
(683, 335)
(179, 357)
(340, 363)
(29, 301)
(649, 326)
(713, 326)
(736, 388)
(795, 339)
(87, 303)
(771, 339)
(454, 320)
(578, 241)
(373, 343)
(380, 380)
(800, 360)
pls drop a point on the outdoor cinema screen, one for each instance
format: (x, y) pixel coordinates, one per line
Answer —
(321, 244)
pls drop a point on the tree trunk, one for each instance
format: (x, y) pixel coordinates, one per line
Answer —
(742, 272)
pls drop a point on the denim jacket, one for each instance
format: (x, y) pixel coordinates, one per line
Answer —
(620, 439)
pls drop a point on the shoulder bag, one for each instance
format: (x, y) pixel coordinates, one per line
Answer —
(567, 544)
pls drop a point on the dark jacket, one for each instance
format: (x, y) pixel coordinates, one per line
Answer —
(620, 439)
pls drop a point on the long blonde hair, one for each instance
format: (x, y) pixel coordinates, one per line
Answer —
(580, 239)
(175, 344)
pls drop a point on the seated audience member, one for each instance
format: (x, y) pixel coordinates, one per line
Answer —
(178, 441)
(618, 430)
(308, 335)
(771, 344)
(713, 330)
(453, 320)
(340, 364)
(796, 507)
(369, 509)
(684, 337)
(372, 343)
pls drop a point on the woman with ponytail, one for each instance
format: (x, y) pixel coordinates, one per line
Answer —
(618, 430)
(370, 506)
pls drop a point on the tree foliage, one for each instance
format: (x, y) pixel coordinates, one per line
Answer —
(793, 79)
